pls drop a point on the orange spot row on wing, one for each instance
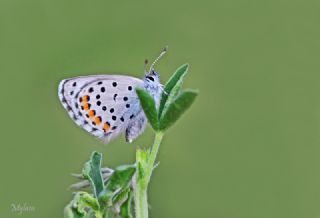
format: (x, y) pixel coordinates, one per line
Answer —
(86, 106)
(85, 99)
(106, 126)
(97, 120)
(91, 114)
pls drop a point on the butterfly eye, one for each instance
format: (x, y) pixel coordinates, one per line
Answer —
(150, 78)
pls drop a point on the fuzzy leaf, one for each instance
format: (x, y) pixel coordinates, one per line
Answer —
(171, 88)
(81, 203)
(92, 172)
(149, 107)
(72, 212)
(119, 181)
(125, 209)
(121, 177)
(120, 198)
(88, 200)
(180, 104)
(105, 198)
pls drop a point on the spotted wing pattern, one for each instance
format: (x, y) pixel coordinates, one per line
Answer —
(102, 105)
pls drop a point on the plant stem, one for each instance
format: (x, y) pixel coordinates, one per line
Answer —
(143, 175)
(141, 201)
(153, 155)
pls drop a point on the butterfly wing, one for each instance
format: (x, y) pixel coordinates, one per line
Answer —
(104, 105)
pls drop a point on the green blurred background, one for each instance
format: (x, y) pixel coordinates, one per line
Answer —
(248, 148)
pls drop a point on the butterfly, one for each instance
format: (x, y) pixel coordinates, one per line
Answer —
(107, 105)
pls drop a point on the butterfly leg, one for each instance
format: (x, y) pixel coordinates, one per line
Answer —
(136, 127)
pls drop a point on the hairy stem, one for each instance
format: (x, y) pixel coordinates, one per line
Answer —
(143, 175)
(141, 201)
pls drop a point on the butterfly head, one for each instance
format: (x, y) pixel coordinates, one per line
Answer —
(152, 77)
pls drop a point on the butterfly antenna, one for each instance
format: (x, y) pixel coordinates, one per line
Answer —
(163, 52)
(145, 65)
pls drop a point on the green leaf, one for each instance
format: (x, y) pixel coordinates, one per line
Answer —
(171, 88)
(180, 104)
(87, 200)
(142, 157)
(72, 212)
(80, 204)
(141, 171)
(90, 214)
(149, 107)
(92, 172)
(125, 209)
(117, 183)
(105, 198)
(120, 201)
(121, 177)
(120, 198)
